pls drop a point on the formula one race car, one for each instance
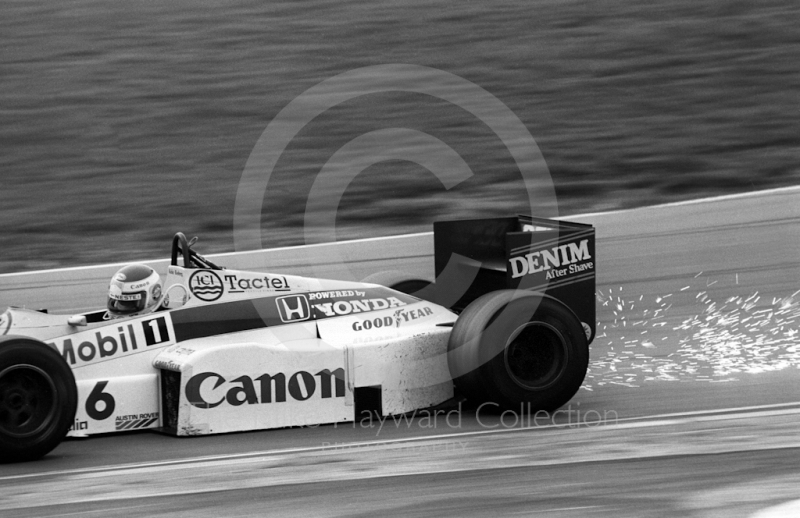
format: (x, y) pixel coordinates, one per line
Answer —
(508, 320)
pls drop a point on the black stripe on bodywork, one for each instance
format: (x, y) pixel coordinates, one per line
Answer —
(227, 317)
(245, 315)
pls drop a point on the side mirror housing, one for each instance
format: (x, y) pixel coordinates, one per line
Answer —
(77, 320)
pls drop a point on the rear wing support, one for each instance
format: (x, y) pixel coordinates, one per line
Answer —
(552, 257)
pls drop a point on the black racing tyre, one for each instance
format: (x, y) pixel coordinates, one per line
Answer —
(518, 350)
(404, 283)
(38, 399)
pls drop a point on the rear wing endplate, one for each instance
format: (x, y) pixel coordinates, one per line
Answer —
(553, 257)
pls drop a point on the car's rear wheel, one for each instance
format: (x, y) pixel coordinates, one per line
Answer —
(38, 399)
(518, 350)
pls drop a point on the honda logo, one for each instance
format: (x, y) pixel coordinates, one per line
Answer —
(293, 308)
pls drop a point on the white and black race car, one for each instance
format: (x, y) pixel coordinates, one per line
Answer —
(229, 350)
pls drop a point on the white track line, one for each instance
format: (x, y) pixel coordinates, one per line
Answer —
(713, 199)
(766, 192)
(771, 410)
(785, 510)
(216, 256)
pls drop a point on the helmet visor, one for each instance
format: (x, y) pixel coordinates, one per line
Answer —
(125, 303)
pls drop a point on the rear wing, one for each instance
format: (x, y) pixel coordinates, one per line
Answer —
(556, 258)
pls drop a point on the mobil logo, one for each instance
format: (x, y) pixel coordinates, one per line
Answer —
(206, 285)
(115, 340)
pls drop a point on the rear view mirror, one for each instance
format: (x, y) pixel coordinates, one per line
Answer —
(77, 320)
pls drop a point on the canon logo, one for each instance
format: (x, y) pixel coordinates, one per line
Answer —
(266, 388)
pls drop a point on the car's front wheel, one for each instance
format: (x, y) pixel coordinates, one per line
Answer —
(38, 399)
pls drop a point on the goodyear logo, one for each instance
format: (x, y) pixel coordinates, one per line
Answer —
(400, 316)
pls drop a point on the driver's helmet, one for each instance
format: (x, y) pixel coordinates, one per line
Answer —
(133, 289)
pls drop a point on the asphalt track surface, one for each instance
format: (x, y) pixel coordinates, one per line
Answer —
(691, 408)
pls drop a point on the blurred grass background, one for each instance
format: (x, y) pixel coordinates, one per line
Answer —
(123, 122)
